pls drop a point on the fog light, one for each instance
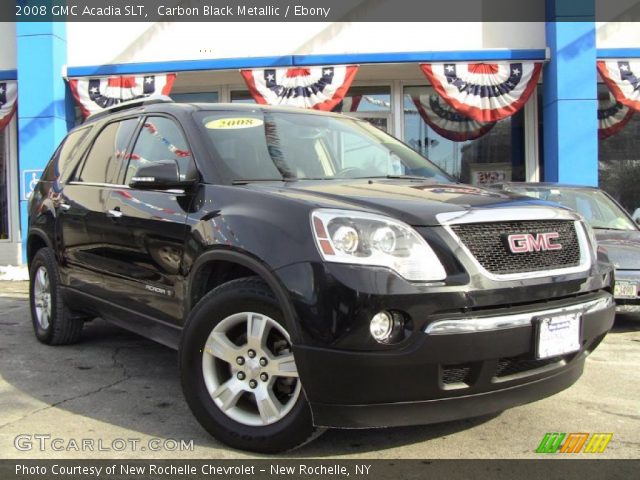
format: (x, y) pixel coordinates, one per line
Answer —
(381, 326)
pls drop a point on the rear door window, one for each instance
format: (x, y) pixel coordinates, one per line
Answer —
(107, 153)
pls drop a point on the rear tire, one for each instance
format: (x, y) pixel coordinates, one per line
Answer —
(53, 322)
(238, 373)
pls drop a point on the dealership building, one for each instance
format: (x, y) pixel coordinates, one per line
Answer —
(563, 111)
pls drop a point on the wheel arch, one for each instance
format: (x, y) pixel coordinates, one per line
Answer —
(253, 267)
(36, 240)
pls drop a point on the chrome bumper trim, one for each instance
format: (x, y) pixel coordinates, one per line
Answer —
(485, 324)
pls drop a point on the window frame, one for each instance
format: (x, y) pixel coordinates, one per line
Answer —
(6, 151)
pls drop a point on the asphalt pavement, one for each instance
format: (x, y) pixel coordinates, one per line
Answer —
(120, 394)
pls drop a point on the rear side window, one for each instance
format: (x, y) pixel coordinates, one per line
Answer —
(107, 152)
(160, 139)
(67, 156)
(70, 152)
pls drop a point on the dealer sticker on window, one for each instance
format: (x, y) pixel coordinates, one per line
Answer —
(558, 335)
(233, 123)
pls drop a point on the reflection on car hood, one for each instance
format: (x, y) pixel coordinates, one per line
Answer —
(415, 202)
(622, 247)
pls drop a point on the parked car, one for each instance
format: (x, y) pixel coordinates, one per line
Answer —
(312, 270)
(617, 233)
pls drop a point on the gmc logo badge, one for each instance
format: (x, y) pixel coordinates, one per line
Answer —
(533, 242)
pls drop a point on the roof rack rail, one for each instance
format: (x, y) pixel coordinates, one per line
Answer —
(137, 102)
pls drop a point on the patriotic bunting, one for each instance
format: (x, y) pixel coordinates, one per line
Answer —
(320, 88)
(446, 122)
(95, 94)
(623, 79)
(612, 117)
(8, 97)
(485, 92)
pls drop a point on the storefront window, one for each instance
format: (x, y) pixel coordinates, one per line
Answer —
(4, 190)
(370, 103)
(195, 97)
(496, 155)
(619, 160)
(241, 96)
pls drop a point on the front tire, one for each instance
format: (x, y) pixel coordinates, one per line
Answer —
(238, 372)
(53, 322)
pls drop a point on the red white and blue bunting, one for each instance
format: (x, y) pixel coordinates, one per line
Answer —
(95, 94)
(446, 122)
(612, 116)
(623, 79)
(8, 99)
(485, 92)
(320, 88)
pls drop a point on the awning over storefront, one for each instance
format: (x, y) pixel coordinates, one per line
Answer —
(95, 94)
(485, 92)
(320, 88)
(8, 99)
(446, 122)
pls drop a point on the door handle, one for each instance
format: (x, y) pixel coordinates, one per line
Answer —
(114, 213)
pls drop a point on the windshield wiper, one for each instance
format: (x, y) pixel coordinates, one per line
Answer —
(612, 228)
(406, 177)
(257, 180)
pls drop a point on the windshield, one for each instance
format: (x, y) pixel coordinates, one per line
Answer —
(264, 145)
(598, 209)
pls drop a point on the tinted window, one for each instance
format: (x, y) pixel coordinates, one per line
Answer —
(66, 156)
(159, 139)
(109, 148)
(70, 152)
(266, 145)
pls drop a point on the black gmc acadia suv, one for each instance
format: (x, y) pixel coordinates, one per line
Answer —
(312, 270)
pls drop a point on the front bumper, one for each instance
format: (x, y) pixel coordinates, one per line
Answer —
(447, 376)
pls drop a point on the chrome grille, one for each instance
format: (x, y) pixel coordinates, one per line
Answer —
(487, 242)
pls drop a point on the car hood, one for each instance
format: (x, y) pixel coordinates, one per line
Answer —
(621, 246)
(414, 202)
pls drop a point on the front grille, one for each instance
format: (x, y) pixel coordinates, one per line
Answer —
(514, 365)
(487, 242)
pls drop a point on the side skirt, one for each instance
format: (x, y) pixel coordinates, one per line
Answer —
(149, 327)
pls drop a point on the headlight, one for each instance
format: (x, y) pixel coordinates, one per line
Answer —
(344, 236)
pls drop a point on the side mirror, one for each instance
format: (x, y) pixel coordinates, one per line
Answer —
(160, 175)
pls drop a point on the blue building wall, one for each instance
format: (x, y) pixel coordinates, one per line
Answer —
(43, 103)
(570, 149)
